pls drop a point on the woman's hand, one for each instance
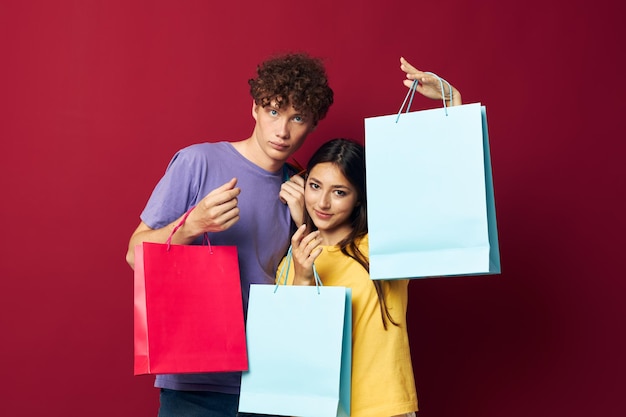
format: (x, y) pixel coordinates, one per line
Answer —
(292, 194)
(429, 85)
(305, 248)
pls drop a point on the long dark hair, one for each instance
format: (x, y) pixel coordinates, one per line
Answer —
(349, 157)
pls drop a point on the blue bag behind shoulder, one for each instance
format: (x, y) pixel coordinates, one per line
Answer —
(431, 209)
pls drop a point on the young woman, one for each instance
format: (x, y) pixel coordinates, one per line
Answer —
(336, 209)
(334, 237)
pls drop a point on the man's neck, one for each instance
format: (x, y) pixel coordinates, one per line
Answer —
(250, 150)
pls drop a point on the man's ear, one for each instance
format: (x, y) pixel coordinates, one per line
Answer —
(255, 108)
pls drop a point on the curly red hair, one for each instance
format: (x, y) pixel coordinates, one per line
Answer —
(297, 79)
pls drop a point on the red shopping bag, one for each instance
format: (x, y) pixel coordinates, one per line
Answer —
(188, 313)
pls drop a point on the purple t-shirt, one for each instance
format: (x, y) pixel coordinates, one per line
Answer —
(262, 234)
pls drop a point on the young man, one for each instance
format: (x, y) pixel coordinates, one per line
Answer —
(241, 198)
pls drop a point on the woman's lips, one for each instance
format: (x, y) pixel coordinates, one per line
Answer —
(322, 215)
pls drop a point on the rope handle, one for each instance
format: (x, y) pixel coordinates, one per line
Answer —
(282, 274)
(205, 240)
(413, 88)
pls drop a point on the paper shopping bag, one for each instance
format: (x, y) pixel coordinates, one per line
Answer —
(188, 314)
(299, 351)
(430, 196)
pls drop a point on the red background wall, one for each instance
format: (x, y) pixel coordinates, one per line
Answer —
(97, 95)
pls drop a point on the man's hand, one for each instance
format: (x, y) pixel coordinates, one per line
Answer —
(429, 85)
(216, 212)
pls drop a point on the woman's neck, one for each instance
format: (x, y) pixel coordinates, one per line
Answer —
(332, 238)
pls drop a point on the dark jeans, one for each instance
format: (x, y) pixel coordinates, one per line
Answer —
(199, 404)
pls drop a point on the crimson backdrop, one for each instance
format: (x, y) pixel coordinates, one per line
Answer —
(97, 95)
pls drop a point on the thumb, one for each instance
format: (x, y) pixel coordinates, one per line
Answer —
(227, 186)
(230, 185)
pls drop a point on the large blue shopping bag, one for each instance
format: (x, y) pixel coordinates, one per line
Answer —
(299, 341)
(430, 196)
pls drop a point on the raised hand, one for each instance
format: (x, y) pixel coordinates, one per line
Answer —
(429, 85)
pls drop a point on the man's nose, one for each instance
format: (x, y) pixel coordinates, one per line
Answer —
(282, 129)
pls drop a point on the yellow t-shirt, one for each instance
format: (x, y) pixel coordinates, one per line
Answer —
(382, 373)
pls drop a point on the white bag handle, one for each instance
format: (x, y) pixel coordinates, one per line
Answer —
(318, 281)
(414, 87)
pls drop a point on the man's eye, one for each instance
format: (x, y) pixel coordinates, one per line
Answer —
(273, 112)
(298, 119)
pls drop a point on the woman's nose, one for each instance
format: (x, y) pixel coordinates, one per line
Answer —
(324, 200)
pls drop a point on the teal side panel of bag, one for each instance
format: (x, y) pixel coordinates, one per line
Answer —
(345, 385)
(295, 339)
(427, 194)
(494, 254)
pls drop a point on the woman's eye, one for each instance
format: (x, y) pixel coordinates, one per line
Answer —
(340, 193)
(314, 185)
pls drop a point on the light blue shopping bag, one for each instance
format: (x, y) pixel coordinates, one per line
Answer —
(299, 341)
(431, 209)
